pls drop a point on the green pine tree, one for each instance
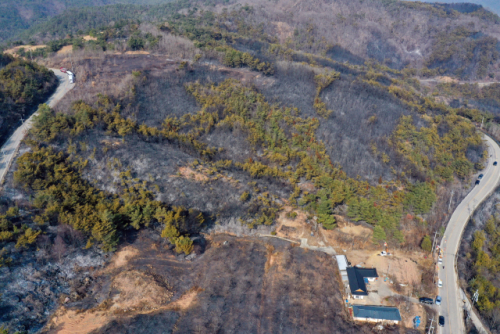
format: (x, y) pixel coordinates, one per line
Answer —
(378, 234)
(426, 244)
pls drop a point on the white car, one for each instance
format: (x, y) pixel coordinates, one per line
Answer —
(440, 283)
(383, 253)
(440, 260)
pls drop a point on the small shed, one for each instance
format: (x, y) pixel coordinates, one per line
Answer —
(342, 264)
(372, 313)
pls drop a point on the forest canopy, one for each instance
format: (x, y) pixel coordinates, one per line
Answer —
(23, 85)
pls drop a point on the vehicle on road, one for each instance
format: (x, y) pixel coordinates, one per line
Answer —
(480, 176)
(477, 181)
(425, 300)
(440, 260)
(440, 283)
(441, 321)
(495, 163)
(63, 69)
(438, 300)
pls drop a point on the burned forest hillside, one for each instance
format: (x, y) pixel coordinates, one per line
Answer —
(190, 147)
(438, 39)
(153, 196)
(239, 285)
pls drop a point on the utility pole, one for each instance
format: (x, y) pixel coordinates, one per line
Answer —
(431, 328)
(449, 205)
(467, 312)
(475, 297)
(433, 242)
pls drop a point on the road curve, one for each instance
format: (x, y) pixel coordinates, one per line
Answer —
(452, 301)
(9, 149)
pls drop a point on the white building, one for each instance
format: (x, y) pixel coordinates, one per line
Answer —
(342, 264)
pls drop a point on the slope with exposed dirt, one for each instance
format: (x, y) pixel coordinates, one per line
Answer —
(238, 284)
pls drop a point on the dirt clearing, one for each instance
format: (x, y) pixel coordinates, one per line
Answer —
(14, 50)
(189, 173)
(246, 285)
(139, 292)
(136, 53)
(399, 265)
(65, 50)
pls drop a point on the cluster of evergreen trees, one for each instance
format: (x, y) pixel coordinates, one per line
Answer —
(485, 262)
(61, 195)
(23, 85)
(455, 52)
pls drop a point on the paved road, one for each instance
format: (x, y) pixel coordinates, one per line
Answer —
(9, 149)
(452, 304)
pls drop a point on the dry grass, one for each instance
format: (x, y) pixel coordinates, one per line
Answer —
(123, 256)
(189, 173)
(65, 50)
(283, 31)
(13, 51)
(140, 52)
(446, 79)
(174, 47)
(292, 228)
(186, 301)
(357, 230)
(138, 292)
(74, 322)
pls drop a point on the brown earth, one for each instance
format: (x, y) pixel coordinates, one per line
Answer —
(201, 174)
(245, 285)
(136, 52)
(404, 267)
(65, 50)
(357, 230)
(446, 79)
(284, 31)
(189, 173)
(13, 51)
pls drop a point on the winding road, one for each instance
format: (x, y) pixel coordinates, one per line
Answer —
(452, 305)
(9, 149)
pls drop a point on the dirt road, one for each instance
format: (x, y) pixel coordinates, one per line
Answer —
(9, 149)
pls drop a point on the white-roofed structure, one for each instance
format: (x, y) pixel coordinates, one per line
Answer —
(342, 264)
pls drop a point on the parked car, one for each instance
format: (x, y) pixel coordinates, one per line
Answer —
(63, 69)
(438, 300)
(480, 176)
(495, 163)
(440, 283)
(425, 300)
(440, 260)
(477, 181)
(441, 321)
